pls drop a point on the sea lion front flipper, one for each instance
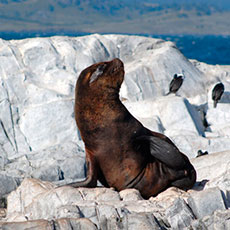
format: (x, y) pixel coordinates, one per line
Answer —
(164, 151)
(91, 179)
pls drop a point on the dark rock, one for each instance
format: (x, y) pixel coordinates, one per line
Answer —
(7, 184)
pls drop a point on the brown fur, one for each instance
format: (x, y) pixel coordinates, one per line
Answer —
(114, 155)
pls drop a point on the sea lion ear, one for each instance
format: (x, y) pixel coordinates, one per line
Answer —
(163, 151)
(97, 73)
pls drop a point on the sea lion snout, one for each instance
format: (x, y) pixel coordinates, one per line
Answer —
(115, 66)
(117, 63)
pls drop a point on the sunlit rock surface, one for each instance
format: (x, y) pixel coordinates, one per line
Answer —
(39, 137)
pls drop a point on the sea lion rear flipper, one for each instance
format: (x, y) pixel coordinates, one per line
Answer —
(164, 151)
(187, 182)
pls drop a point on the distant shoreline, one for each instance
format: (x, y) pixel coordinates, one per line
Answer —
(12, 35)
(211, 49)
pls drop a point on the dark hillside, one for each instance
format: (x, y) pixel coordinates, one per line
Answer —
(104, 16)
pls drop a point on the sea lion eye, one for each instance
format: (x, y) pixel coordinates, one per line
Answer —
(97, 73)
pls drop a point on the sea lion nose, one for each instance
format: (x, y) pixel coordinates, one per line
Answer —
(117, 62)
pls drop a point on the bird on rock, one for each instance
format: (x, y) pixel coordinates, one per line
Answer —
(217, 92)
(176, 83)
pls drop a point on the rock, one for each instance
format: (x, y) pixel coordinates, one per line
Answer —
(69, 211)
(35, 200)
(108, 209)
(153, 123)
(206, 202)
(218, 221)
(168, 197)
(52, 164)
(140, 221)
(7, 184)
(37, 82)
(179, 215)
(75, 224)
(50, 172)
(222, 181)
(130, 195)
(2, 213)
(88, 210)
(219, 144)
(157, 115)
(25, 194)
(188, 143)
(217, 118)
(208, 166)
(155, 74)
(99, 194)
(198, 224)
(28, 225)
(60, 224)
(130, 221)
(61, 196)
(185, 116)
(40, 118)
(147, 113)
(39, 137)
(38, 78)
(108, 216)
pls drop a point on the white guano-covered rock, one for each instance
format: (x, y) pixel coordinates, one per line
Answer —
(205, 203)
(38, 78)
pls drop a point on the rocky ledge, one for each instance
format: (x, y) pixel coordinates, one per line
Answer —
(41, 205)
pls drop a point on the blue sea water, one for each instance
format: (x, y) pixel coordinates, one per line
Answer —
(211, 49)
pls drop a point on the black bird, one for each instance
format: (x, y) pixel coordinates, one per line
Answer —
(200, 153)
(176, 83)
(217, 92)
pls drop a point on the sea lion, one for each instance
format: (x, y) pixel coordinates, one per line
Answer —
(120, 152)
(176, 83)
(217, 92)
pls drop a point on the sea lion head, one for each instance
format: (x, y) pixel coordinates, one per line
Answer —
(103, 75)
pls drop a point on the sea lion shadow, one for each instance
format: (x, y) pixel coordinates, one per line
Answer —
(199, 185)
